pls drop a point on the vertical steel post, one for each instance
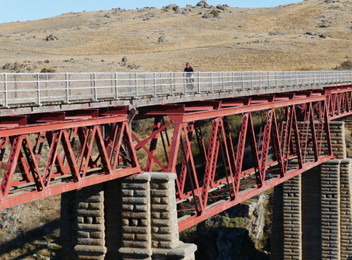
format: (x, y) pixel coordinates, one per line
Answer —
(268, 75)
(38, 89)
(154, 84)
(116, 86)
(242, 80)
(198, 82)
(320, 78)
(95, 98)
(136, 85)
(260, 80)
(212, 83)
(171, 85)
(251, 80)
(222, 78)
(6, 101)
(184, 81)
(233, 81)
(67, 87)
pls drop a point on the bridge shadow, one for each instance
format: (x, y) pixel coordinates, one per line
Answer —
(25, 244)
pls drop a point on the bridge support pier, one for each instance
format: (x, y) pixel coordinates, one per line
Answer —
(149, 219)
(68, 229)
(129, 218)
(313, 212)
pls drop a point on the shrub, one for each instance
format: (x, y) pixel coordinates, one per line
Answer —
(215, 13)
(346, 65)
(48, 70)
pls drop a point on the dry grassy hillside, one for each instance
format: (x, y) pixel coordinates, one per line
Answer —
(310, 35)
(314, 34)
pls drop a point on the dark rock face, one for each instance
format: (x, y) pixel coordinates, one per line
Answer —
(232, 243)
(241, 232)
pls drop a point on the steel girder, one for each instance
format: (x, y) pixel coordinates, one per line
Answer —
(47, 154)
(224, 152)
(339, 102)
(228, 151)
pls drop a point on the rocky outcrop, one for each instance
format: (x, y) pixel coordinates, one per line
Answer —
(19, 67)
(242, 232)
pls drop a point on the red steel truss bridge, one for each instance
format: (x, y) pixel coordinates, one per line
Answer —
(228, 135)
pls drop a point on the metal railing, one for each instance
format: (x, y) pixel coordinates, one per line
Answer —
(49, 88)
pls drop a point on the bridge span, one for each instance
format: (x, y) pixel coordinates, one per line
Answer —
(228, 136)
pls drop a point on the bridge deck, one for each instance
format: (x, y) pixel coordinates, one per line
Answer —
(46, 92)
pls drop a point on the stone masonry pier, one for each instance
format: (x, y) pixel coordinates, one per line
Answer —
(312, 216)
(130, 218)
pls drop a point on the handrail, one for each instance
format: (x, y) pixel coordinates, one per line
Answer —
(47, 88)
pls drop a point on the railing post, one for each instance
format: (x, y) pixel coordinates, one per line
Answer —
(268, 74)
(95, 98)
(260, 80)
(38, 89)
(154, 84)
(184, 81)
(116, 86)
(222, 78)
(320, 78)
(334, 78)
(212, 83)
(198, 82)
(242, 80)
(6, 102)
(233, 81)
(171, 85)
(251, 80)
(276, 85)
(136, 85)
(67, 88)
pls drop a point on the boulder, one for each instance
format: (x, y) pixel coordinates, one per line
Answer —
(51, 37)
(172, 7)
(123, 62)
(221, 7)
(276, 33)
(207, 15)
(161, 39)
(203, 3)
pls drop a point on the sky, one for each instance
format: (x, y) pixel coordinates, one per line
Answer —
(23, 10)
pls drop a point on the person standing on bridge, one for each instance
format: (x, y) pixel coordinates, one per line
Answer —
(189, 75)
